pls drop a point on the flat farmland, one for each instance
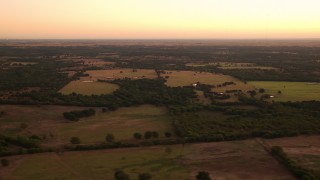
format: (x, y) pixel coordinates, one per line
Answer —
(123, 123)
(290, 91)
(89, 88)
(40, 120)
(48, 122)
(122, 73)
(234, 160)
(99, 164)
(223, 160)
(187, 78)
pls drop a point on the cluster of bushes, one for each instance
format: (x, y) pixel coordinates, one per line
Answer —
(25, 142)
(5, 162)
(121, 175)
(150, 134)
(203, 175)
(226, 84)
(2, 113)
(22, 151)
(206, 88)
(293, 167)
(76, 115)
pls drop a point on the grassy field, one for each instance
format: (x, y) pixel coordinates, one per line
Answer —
(89, 88)
(290, 91)
(39, 119)
(234, 160)
(100, 164)
(122, 73)
(48, 121)
(303, 149)
(187, 78)
(223, 160)
(90, 85)
(123, 123)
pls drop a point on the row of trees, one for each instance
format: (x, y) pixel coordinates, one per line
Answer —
(121, 175)
(150, 134)
(76, 115)
(111, 138)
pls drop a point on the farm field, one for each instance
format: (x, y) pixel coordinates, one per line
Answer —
(100, 164)
(303, 149)
(122, 123)
(187, 78)
(89, 88)
(49, 122)
(290, 91)
(40, 120)
(223, 160)
(121, 73)
(234, 160)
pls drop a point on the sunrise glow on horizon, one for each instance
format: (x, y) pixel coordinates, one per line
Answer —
(156, 19)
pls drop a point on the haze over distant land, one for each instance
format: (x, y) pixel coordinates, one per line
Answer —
(161, 42)
(159, 19)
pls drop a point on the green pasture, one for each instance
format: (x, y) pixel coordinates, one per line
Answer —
(157, 161)
(290, 91)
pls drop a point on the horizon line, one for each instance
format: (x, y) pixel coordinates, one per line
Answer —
(147, 39)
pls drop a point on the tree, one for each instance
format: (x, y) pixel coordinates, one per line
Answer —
(5, 162)
(155, 134)
(203, 175)
(145, 176)
(121, 175)
(148, 135)
(109, 137)
(75, 140)
(168, 134)
(252, 93)
(137, 135)
(262, 90)
(23, 126)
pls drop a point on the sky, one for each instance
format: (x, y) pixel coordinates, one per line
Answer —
(159, 19)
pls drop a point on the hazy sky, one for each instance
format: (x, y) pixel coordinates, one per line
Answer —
(159, 19)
